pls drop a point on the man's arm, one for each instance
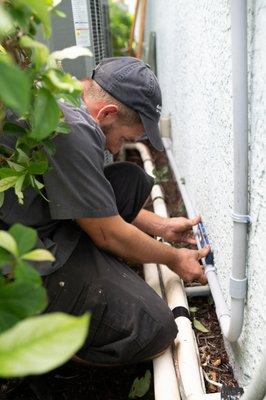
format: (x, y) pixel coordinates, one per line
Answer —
(171, 229)
(115, 235)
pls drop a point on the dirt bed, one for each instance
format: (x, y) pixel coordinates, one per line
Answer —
(76, 382)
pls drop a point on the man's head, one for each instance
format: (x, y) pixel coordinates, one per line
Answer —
(125, 99)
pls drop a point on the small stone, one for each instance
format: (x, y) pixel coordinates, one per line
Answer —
(62, 284)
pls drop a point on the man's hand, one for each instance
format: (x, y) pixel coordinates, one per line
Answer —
(179, 230)
(187, 265)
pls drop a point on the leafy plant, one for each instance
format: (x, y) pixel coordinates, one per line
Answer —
(196, 323)
(140, 386)
(31, 83)
(120, 23)
(161, 175)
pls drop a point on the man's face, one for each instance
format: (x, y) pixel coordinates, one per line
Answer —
(117, 133)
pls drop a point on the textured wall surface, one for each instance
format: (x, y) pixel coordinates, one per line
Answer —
(194, 70)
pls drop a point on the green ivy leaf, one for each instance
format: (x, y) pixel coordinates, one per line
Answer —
(199, 326)
(39, 344)
(15, 166)
(38, 255)
(19, 300)
(25, 237)
(15, 86)
(8, 243)
(140, 386)
(45, 104)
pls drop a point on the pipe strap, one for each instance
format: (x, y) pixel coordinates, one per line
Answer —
(241, 218)
(238, 288)
(181, 311)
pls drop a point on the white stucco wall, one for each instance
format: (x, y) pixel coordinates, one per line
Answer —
(194, 70)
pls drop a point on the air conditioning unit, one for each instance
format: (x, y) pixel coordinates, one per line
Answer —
(86, 24)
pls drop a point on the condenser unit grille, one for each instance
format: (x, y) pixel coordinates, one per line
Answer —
(97, 30)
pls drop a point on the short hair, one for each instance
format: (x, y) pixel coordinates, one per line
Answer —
(125, 113)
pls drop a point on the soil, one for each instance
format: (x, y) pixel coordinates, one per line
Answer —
(77, 382)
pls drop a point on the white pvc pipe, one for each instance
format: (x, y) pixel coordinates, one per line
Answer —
(165, 379)
(230, 323)
(187, 361)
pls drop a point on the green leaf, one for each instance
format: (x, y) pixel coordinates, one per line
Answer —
(22, 157)
(5, 258)
(7, 25)
(7, 183)
(46, 115)
(18, 188)
(2, 198)
(42, 343)
(38, 255)
(199, 326)
(19, 300)
(15, 166)
(41, 10)
(38, 167)
(63, 128)
(62, 81)
(25, 237)
(7, 172)
(40, 51)
(15, 86)
(26, 273)
(13, 129)
(140, 386)
(8, 243)
(193, 309)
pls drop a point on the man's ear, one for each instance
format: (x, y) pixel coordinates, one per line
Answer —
(107, 114)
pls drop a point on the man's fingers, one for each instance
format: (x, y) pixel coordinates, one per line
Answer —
(195, 220)
(204, 251)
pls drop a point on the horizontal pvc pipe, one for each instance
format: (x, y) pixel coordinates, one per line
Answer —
(194, 291)
(186, 351)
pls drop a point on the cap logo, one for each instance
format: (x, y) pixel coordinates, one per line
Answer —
(158, 109)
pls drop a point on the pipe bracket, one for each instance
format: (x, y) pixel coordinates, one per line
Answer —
(238, 288)
(241, 218)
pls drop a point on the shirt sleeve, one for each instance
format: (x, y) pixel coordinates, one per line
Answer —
(76, 185)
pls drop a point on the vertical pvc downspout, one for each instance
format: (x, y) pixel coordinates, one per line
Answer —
(241, 219)
(231, 322)
(190, 377)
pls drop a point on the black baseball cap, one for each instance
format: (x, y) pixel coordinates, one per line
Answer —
(132, 82)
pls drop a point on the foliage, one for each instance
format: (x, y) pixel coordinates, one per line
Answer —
(161, 175)
(196, 323)
(39, 344)
(140, 386)
(120, 23)
(31, 83)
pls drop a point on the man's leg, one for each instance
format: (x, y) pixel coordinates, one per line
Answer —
(130, 322)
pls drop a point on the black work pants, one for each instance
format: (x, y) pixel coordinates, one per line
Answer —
(130, 322)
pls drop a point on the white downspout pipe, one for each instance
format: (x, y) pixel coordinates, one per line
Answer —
(189, 371)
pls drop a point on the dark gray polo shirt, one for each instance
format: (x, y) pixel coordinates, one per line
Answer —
(75, 186)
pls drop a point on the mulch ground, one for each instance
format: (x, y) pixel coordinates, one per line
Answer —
(76, 382)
